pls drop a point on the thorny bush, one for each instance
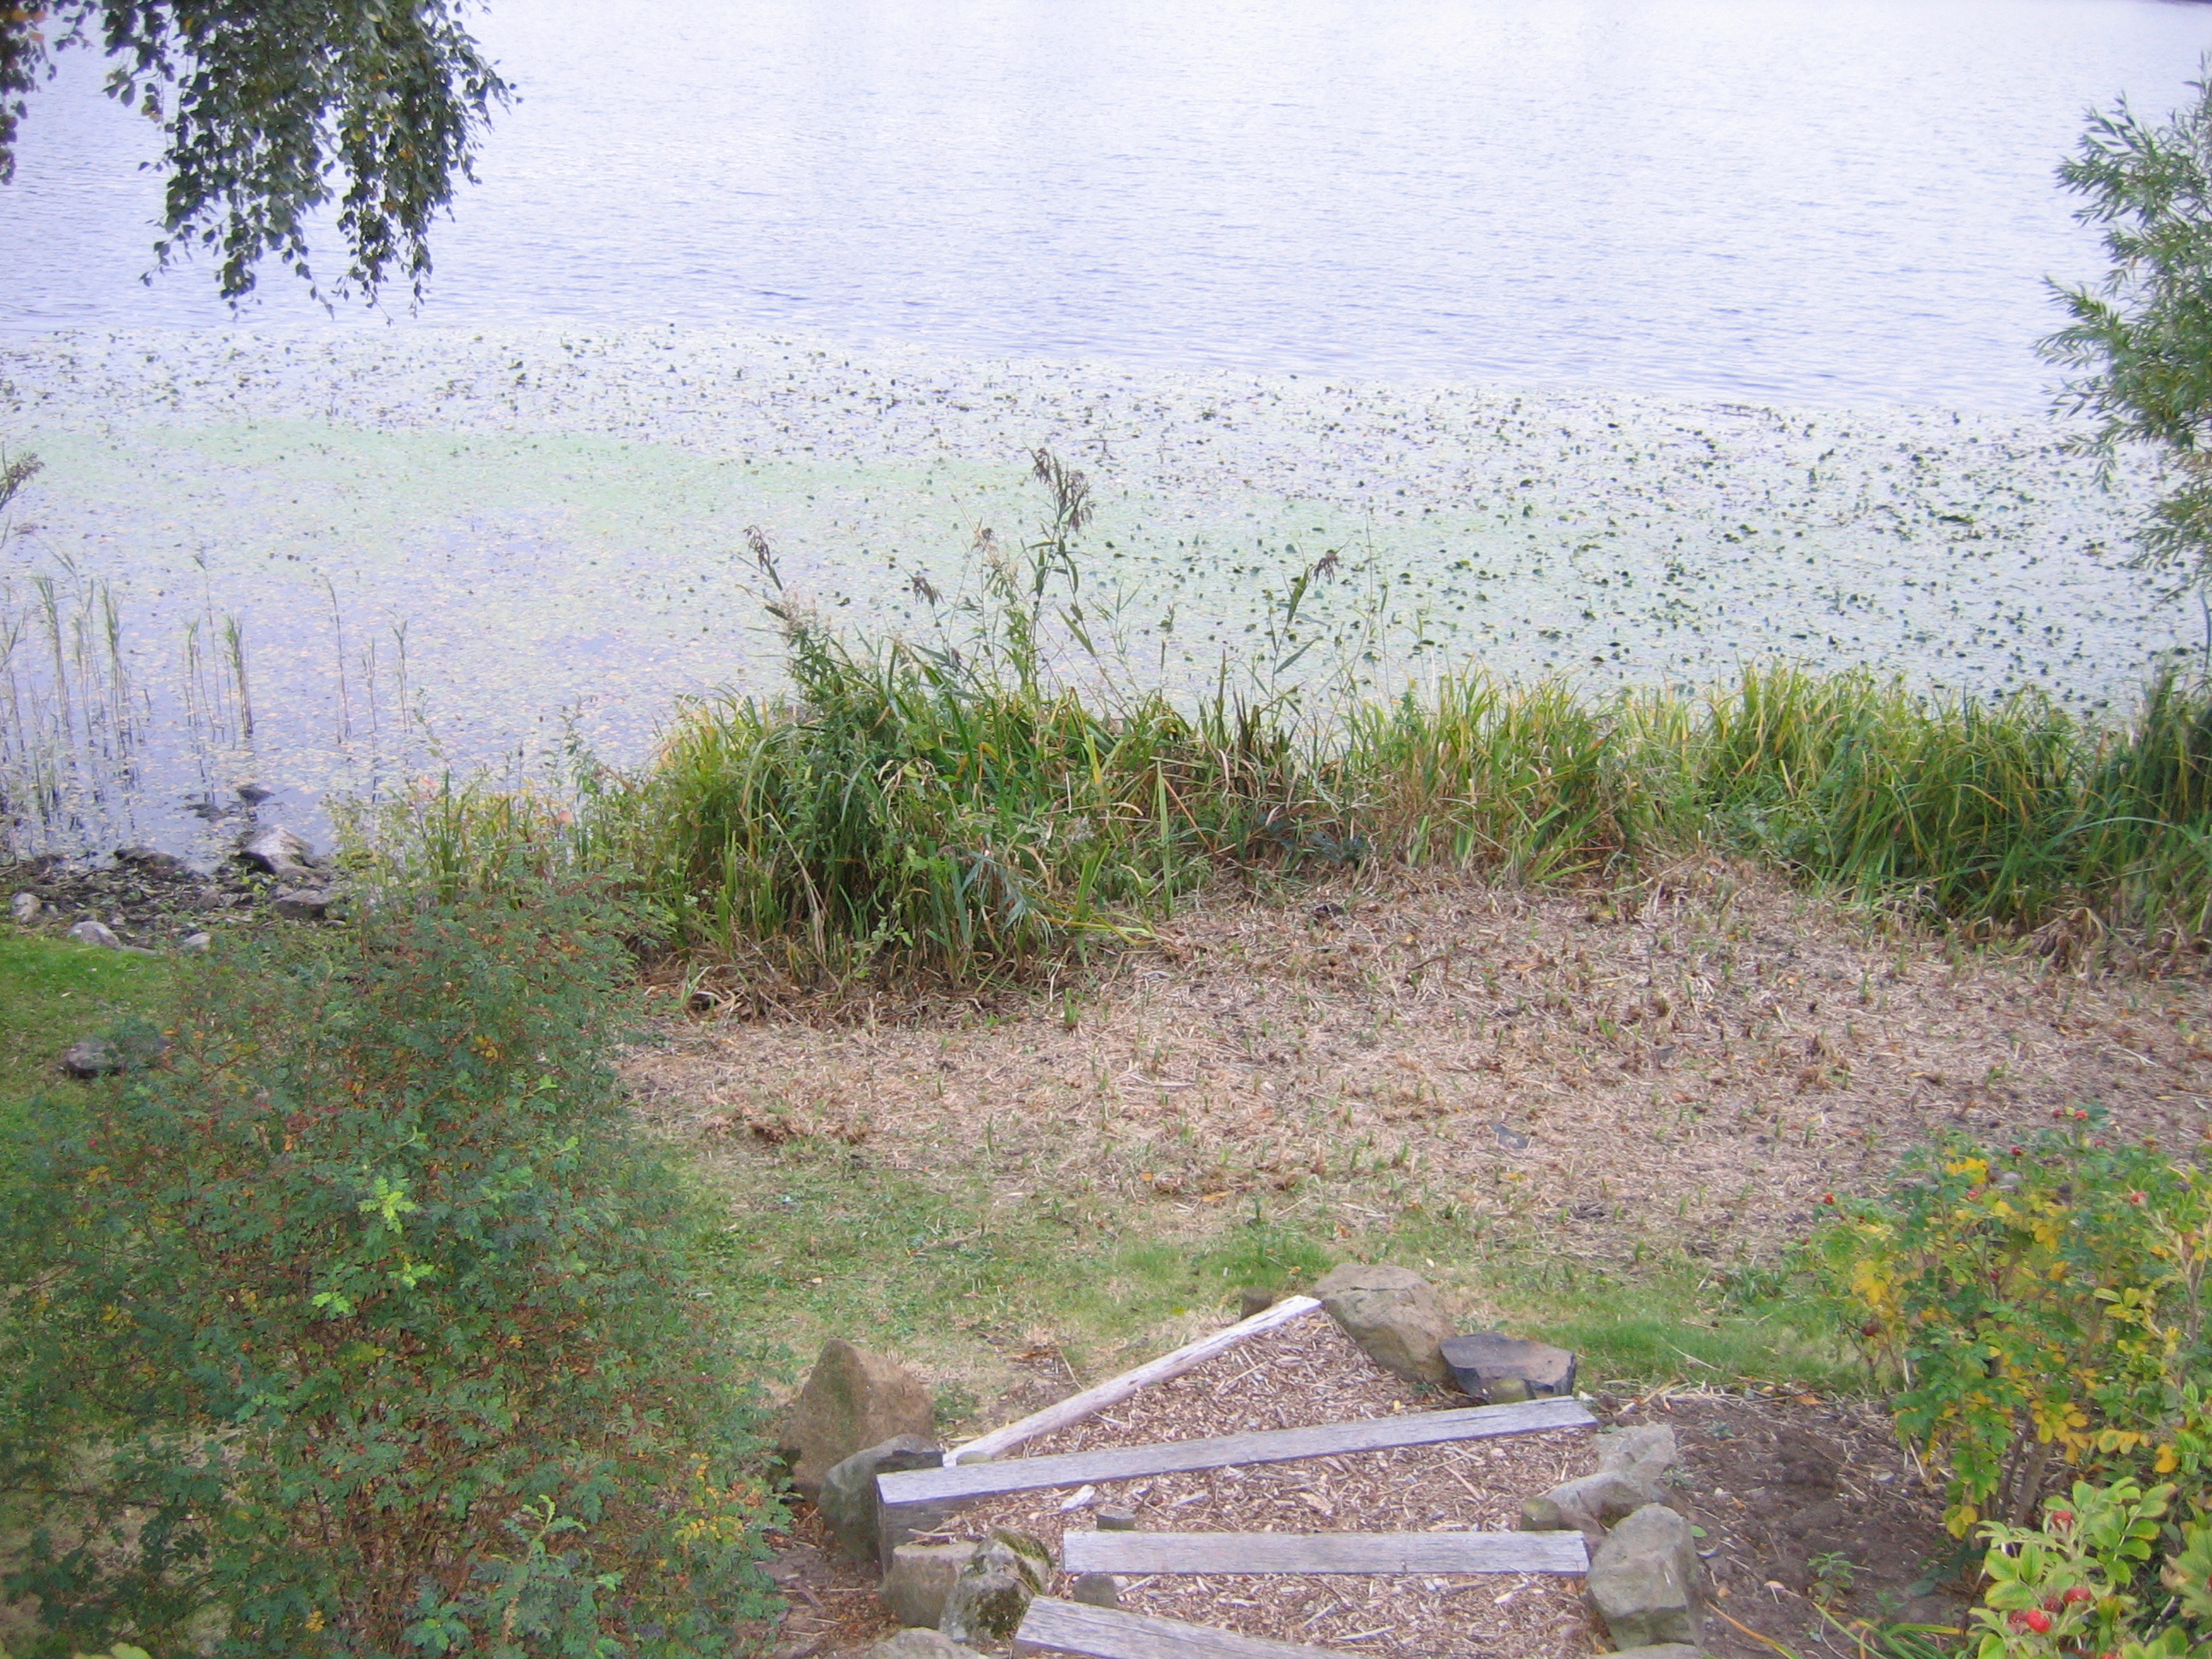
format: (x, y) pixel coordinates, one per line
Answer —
(2040, 1308)
(361, 1329)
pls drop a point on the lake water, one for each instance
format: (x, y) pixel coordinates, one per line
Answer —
(1627, 341)
(1813, 201)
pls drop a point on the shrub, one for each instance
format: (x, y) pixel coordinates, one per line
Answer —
(2041, 1308)
(2082, 1582)
(361, 1329)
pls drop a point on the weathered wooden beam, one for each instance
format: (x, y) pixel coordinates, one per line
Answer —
(921, 1488)
(1323, 1552)
(1077, 1407)
(1076, 1627)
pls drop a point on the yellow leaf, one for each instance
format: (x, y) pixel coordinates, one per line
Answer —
(2168, 1461)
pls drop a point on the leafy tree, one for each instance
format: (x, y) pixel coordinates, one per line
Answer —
(274, 109)
(2143, 335)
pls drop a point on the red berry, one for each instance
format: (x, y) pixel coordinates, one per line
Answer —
(1827, 1198)
(2078, 1593)
(2061, 1518)
(2037, 1620)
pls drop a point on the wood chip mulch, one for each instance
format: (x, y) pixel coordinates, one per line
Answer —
(1305, 1374)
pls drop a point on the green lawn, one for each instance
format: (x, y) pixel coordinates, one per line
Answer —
(53, 992)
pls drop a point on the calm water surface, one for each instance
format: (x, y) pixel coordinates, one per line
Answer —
(1813, 201)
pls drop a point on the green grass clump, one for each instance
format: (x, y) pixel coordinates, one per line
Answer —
(976, 806)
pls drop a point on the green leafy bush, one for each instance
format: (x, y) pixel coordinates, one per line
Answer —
(2080, 1583)
(2038, 1306)
(362, 1328)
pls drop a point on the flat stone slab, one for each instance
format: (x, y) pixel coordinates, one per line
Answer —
(1055, 1626)
(1493, 1366)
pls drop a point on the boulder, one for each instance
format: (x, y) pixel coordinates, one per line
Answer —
(1644, 1580)
(195, 945)
(301, 903)
(1588, 1505)
(89, 932)
(1495, 1367)
(920, 1577)
(152, 861)
(1643, 1456)
(853, 1399)
(848, 1502)
(25, 907)
(131, 1049)
(993, 1591)
(272, 847)
(1392, 1314)
(919, 1644)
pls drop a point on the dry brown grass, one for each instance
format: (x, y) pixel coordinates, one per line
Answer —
(1692, 1064)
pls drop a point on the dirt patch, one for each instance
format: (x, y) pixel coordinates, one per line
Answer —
(1799, 1498)
(1689, 1067)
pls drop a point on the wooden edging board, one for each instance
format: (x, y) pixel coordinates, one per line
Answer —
(1323, 1552)
(914, 1488)
(1055, 1626)
(1077, 1407)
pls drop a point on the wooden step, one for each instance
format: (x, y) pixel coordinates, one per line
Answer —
(1323, 1552)
(922, 1490)
(1076, 1627)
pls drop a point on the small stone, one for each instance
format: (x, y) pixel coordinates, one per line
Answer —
(272, 847)
(1643, 1456)
(993, 1591)
(852, 1399)
(1098, 1589)
(151, 862)
(848, 1501)
(919, 1644)
(1495, 1367)
(920, 1577)
(301, 903)
(1663, 1650)
(1116, 1520)
(1588, 1505)
(253, 794)
(1252, 1301)
(195, 945)
(1392, 1314)
(25, 907)
(89, 932)
(1644, 1580)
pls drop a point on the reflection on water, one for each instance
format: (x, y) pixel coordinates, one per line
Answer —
(1791, 200)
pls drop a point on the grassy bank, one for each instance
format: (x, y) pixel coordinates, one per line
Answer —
(978, 805)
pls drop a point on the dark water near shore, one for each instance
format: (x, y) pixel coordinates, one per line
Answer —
(1792, 200)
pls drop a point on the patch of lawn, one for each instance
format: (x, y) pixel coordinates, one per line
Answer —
(982, 1287)
(53, 992)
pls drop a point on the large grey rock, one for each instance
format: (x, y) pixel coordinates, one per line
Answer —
(1392, 1314)
(25, 907)
(993, 1591)
(853, 1399)
(91, 932)
(1588, 1505)
(919, 1645)
(1496, 1369)
(849, 1504)
(152, 861)
(272, 847)
(1644, 1580)
(196, 944)
(301, 903)
(1643, 1456)
(132, 1049)
(920, 1577)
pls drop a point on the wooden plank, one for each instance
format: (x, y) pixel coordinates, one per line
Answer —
(1055, 1626)
(1323, 1552)
(1077, 1407)
(954, 1486)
